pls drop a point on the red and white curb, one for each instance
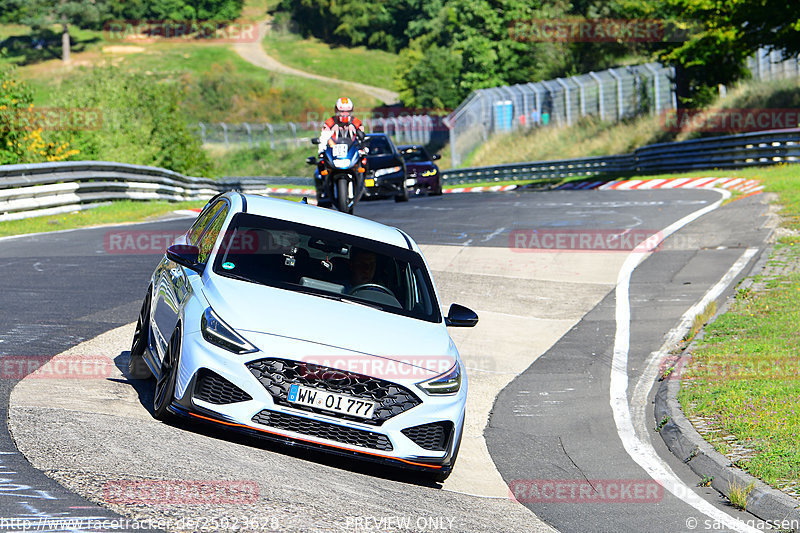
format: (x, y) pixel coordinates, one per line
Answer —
(494, 188)
(733, 184)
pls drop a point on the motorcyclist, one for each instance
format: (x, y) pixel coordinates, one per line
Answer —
(341, 124)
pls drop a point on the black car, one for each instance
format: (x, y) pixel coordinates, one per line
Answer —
(386, 170)
(423, 173)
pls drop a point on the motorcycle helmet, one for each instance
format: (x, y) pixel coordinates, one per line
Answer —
(343, 110)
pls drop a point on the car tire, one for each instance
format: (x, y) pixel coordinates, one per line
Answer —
(165, 382)
(401, 196)
(137, 367)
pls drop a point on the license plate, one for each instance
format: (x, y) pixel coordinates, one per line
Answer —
(330, 401)
(369, 182)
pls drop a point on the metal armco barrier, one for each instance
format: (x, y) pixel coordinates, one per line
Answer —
(52, 188)
(732, 151)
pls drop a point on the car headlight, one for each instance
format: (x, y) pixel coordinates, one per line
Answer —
(447, 383)
(221, 334)
(383, 171)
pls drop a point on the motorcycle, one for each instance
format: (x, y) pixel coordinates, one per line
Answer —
(339, 177)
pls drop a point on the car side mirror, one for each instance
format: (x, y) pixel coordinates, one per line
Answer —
(185, 255)
(311, 160)
(315, 140)
(436, 157)
(460, 316)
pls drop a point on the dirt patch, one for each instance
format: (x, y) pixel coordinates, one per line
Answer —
(122, 49)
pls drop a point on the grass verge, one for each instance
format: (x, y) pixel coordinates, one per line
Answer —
(744, 377)
(118, 212)
(113, 213)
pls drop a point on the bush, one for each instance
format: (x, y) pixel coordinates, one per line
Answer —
(22, 139)
(141, 122)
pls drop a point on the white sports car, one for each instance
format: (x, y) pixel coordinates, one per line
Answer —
(292, 322)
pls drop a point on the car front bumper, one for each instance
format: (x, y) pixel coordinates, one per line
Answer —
(387, 185)
(302, 427)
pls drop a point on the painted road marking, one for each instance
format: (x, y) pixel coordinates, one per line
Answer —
(638, 449)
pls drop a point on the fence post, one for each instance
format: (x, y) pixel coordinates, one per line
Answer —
(271, 135)
(601, 106)
(293, 127)
(566, 100)
(583, 95)
(656, 87)
(202, 132)
(224, 132)
(249, 134)
(619, 92)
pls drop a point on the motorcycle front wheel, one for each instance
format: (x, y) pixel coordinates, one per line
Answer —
(342, 197)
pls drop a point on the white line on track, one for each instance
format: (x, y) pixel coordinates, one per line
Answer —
(653, 364)
(639, 449)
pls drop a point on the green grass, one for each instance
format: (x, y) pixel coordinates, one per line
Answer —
(264, 162)
(219, 85)
(359, 64)
(116, 212)
(744, 376)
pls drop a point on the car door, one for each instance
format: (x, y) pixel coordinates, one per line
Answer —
(171, 285)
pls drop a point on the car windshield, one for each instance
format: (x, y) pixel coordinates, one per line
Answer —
(415, 155)
(378, 146)
(328, 264)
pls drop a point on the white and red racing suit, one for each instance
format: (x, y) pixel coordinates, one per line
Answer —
(331, 131)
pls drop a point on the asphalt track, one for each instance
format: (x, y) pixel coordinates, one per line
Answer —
(552, 422)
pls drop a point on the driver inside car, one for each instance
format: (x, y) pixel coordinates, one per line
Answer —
(363, 264)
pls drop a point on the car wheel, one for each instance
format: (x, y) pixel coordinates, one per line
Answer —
(165, 383)
(137, 368)
(401, 196)
(438, 190)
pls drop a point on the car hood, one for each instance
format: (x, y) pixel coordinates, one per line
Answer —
(322, 324)
(382, 161)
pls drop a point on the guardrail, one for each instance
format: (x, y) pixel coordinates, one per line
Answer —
(732, 151)
(53, 188)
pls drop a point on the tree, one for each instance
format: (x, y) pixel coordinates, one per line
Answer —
(41, 15)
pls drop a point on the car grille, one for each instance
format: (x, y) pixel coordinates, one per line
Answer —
(277, 375)
(432, 437)
(323, 430)
(213, 388)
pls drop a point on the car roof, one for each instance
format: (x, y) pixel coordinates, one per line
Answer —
(324, 218)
